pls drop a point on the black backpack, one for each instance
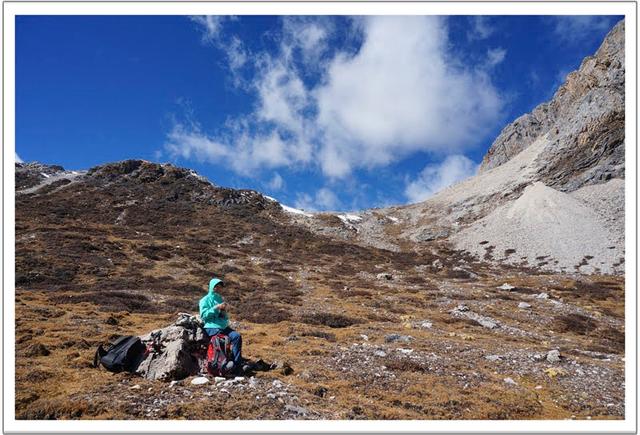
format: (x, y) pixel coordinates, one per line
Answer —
(124, 354)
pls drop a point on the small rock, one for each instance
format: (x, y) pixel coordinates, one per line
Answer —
(538, 387)
(380, 353)
(271, 396)
(437, 264)
(506, 287)
(524, 305)
(224, 390)
(553, 356)
(462, 308)
(493, 357)
(364, 337)
(296, 409)
(201, 380)
(542, 296)
(405, 351)
(135, 387)
(239, 378)
(510, 381)
(386, 276)
(173, 384)
(538, 357)
(397, 337)
(218, 379)
(426, 325)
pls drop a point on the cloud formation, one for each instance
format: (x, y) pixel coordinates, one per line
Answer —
(401, 92)
(572, 29)
(436, 177)
(324, 199)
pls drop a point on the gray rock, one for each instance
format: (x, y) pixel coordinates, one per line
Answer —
(201, 380)
(542, 296)
(493, 358)
(506, 286)
(510, 381)
(553, 356)
(299, 410)
(385, 276)
(380, 353)
(524, 305)
(172, 355)
(392, 338)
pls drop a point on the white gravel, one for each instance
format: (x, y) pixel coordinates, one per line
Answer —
(544, 222)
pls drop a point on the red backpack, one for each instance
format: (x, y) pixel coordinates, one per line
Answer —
(218, 355)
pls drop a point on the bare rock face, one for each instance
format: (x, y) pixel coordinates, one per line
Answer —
(584, 121)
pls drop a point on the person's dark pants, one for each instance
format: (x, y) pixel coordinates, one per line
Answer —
(236, 342)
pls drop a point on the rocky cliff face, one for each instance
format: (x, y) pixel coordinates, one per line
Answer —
(584, 121)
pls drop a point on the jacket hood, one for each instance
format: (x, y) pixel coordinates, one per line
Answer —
(214, 282)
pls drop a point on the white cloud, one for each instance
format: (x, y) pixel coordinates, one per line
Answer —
(18, 159)
(572, 29)
(276, 182)
(324, 199)
(495, 56)
(211, 25)
(402, 92)
(398, 95)
(436, 177)
(480, 27)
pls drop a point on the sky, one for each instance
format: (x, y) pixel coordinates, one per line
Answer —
(319, 112)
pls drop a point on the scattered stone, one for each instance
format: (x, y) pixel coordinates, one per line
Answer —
(493, 357)
(524, 305)
(426, 325)
(506, 287)
(538, 387)
(462, 308)
(405, 351)
(173, 384)
(437, 264)
(391, 338)
(201, 380)
(553, 356)
(219, 379)
(386, 276)
(538, 357)
(542, 296)
(510, 381)
(380, 353)
(135, 387)
(296, 409)
(364, 337)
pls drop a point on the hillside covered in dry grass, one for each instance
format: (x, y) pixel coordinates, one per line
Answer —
(358, 332)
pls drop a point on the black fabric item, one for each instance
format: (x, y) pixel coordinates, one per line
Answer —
(123, 355)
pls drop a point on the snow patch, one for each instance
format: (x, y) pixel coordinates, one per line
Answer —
(349, 218)
(44, 175)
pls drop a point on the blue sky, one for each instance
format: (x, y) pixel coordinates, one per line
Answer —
(320, 112)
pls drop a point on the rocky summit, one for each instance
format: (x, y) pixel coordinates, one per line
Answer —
(501, 297)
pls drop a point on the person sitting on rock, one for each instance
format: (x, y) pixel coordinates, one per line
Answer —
(213, 312)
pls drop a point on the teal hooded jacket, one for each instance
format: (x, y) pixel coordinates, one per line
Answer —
(212, 317)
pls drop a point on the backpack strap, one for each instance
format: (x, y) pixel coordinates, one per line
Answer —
(100, 352)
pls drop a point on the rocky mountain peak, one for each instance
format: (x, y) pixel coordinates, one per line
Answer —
(586, 116)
